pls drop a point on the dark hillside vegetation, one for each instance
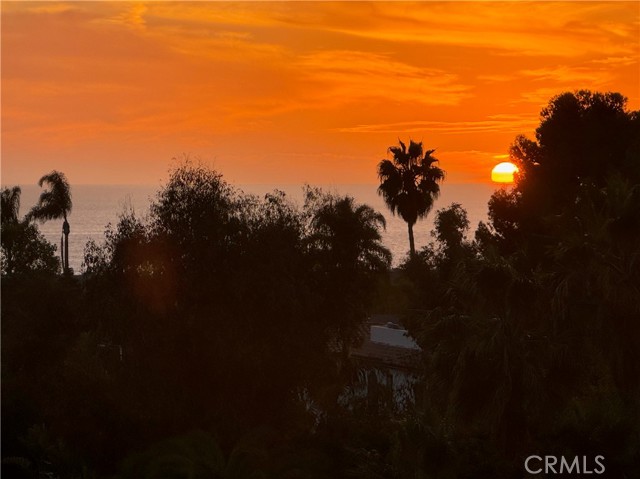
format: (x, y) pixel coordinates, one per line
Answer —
(533, 329)
(214, 338)
(225, 313)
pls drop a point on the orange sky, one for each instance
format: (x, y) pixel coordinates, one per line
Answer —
(109, 92)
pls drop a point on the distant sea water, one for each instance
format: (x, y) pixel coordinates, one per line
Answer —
(94, 206)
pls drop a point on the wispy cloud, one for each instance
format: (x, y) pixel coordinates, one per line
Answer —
(566, 74)
(537, 29)
(50, 7)
(617, 61)
(494, 78)
(356, 75)
(133, 16)
(493, 123)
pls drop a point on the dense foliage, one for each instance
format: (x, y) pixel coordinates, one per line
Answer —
(23, 248)
(213, 339)
(533, 329)
(224, 313)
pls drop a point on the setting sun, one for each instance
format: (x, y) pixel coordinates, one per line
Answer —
(503, 172)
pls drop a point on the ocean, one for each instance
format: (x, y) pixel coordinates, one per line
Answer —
(95, 206)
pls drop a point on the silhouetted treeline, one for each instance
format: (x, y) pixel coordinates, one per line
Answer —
(212, 339)
(223, 313)
(532, 330)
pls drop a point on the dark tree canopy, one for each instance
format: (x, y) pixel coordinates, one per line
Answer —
(345, 247)
(229, 297)
(24, 248)
(584, 136)
(584, 140)
(451, 225)
(539, 318)
(349, 234)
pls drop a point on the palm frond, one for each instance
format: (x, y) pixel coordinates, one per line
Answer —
(415, 150)
(349, 233)
(55, 201)
(410, 183)
(10, 204)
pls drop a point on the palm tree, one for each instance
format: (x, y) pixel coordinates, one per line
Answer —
(55, 203)
(409, 183)
(346, 238)
(350, 234)
(9, 208)
(10, 204)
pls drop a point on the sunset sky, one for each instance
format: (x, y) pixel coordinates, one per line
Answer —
(110, 92)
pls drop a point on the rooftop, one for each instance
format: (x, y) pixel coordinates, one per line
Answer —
(388, 355)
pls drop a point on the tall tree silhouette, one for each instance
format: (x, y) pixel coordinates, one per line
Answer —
(409, 183)
(10, 204)
(55, 203)
(9, 208)
(346, 238)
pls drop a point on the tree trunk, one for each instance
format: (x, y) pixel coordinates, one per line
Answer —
(10, 260)
(62, 252)
(412, 245)
(66, 229)
(66, 253)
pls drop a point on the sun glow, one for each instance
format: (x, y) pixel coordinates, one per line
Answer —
(503, 172)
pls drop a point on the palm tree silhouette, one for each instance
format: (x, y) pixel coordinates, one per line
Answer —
(10, 204)
(409, 183)
(350, 233)
(9, 208)
(346, 236)
(55, 203)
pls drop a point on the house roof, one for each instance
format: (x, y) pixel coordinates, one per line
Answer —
(389, 356)
(384, 354)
